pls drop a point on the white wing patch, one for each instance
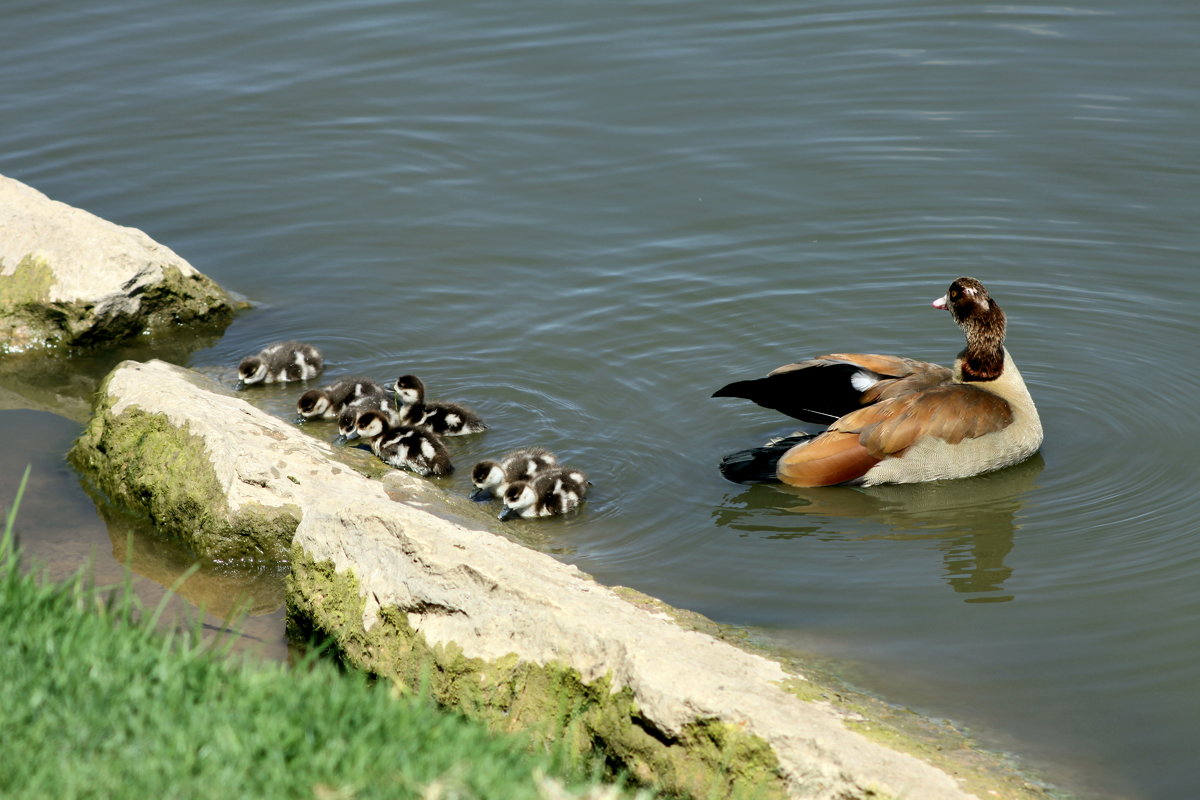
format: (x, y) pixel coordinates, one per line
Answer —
(863, 380)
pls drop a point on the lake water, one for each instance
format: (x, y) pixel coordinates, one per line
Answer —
(581, 219)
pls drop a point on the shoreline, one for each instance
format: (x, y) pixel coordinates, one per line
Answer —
(412, 586)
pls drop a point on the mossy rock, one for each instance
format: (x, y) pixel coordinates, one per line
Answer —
(31, 321)
(71, 281)
(145, 463)
(551, 702)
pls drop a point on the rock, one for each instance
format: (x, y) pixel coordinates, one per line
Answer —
(525, 642)
(226, 478)
(70, 280)
(499, 631)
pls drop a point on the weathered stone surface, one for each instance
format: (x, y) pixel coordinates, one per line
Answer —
(69, 279)
(225, 477)
(495, 629)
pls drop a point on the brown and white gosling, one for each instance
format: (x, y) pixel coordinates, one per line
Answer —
(551, 493)
(403, 446)
(281, 362)
(896, 420)
(329, 401)
(444, 419)
(348, 419)
(491, 478)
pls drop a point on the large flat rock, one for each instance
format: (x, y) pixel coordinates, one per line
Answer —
(71, 280)
(487, 625)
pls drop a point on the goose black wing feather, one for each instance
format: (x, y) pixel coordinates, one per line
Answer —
(819, 393)
(758, 464)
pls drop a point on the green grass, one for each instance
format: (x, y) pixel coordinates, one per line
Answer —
(94, 702)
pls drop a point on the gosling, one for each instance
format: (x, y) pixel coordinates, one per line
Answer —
(348, 419)
(281, 362)
(403, 446)
(444, 419)
(491, 478)
(328, 402)
(555, 492)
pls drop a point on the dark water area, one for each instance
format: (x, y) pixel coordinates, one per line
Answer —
(582, 220)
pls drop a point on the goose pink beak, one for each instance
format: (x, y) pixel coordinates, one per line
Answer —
(941, 303)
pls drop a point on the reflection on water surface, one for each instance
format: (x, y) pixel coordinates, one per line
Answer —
(971, 521)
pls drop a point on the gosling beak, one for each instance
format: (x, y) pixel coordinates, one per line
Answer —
(479, 495)
(507, 514)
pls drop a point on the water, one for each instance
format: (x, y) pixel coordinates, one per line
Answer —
(581, 220)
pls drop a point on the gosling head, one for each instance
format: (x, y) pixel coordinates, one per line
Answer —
(371, 424)
(253, 369)
(486, 476)
(409, 389)
(313, 403)
(518, 497)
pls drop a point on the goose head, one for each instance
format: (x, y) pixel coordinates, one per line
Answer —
(982, 322)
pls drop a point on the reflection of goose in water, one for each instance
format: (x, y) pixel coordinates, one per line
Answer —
(972, 520)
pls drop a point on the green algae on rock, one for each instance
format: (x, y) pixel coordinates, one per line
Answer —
(70, 280)
(229, 480)
(552, 702)
(154, 445)
(147, 464)
(512, 637)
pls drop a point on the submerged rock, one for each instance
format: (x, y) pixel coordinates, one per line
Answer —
(490, 627)
(71, 280)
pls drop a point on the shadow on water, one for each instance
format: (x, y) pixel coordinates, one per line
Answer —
(971, 522)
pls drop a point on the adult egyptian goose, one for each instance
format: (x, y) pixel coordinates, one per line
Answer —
(281, 362)
(896, 420)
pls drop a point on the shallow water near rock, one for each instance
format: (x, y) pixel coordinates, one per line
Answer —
(582, 222)
(63, 528)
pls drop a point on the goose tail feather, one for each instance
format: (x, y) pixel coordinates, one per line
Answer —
(758, 464)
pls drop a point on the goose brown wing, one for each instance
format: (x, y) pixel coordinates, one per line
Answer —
(829, 459)
(951, 412)
(891, 366)
(897, 376)
(863, 438)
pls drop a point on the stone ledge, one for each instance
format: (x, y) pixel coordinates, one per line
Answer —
(70, 280)
(494, 629)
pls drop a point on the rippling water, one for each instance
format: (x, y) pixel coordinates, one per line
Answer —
(581, 220)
